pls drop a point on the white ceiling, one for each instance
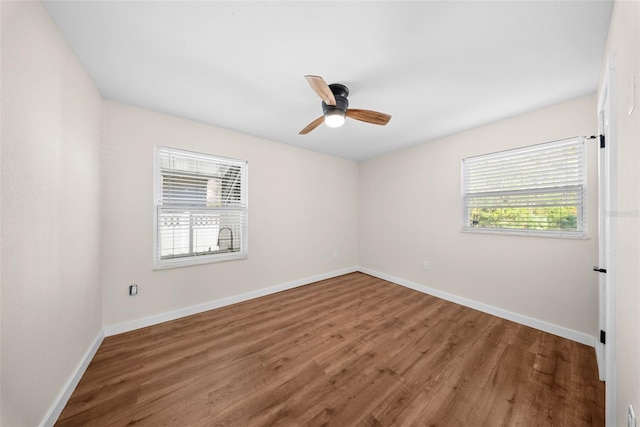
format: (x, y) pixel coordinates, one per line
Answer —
(437, 67)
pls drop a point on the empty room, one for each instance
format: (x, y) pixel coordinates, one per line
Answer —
(306, 213)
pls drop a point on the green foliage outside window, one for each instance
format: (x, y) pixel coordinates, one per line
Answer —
(560, 218)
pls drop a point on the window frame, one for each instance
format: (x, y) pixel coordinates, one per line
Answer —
(198, 259)
(581, 214)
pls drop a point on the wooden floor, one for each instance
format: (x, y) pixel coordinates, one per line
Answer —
(349, 351)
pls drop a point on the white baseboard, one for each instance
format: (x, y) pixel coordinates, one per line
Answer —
(599, 348)
(61, 400)
(195, 309)
(499, 312)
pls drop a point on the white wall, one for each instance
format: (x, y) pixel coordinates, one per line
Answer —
(410, 211)
(303, 206)
(624, 43)
(50, 239)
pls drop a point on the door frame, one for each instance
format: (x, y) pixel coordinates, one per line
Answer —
(605, 353)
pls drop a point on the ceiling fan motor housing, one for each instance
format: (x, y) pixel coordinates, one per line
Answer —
(340, 92)
(334, 115)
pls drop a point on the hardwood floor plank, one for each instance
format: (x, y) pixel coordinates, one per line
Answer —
(350, 351)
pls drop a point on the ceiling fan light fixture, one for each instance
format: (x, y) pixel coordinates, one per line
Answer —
(335, 106)
(334, 118)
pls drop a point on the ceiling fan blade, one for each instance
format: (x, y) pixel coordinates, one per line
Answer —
(321, 87)
(311, 126)
(369, 116)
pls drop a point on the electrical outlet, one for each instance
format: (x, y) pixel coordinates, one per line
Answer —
(631, 417)
(133, 290)
(335, 254)
(425, 265)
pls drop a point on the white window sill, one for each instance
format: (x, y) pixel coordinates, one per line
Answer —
(197, 260)
(504, 232)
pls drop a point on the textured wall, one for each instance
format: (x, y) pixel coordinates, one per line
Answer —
(411, 210)
(303, 207)
(51, 136)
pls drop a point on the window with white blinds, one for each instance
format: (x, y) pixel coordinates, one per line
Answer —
(201, 208)
(536, 190)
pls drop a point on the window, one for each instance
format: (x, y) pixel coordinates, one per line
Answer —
(538, 190)
(201, 208)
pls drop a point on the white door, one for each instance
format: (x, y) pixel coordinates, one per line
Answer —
(603, 240)
(606, 268)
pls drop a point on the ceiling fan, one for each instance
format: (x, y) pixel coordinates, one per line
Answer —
(335, 106)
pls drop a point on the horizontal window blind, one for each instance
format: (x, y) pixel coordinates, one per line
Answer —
(201, 207)
(538, 189)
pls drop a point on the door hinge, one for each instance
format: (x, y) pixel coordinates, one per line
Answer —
(603, 337)
(600, 270)
(602, 141)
